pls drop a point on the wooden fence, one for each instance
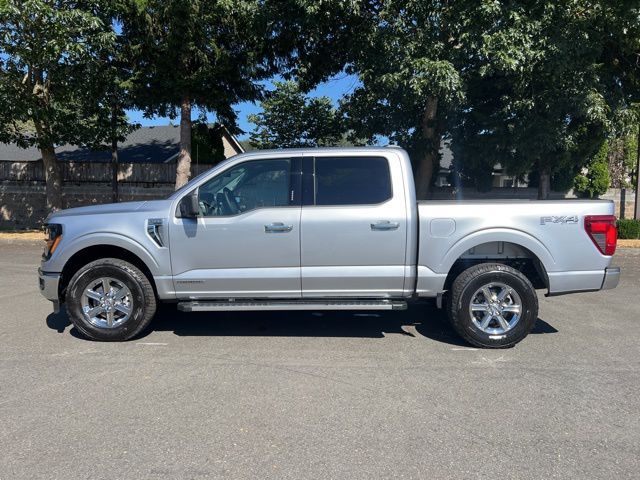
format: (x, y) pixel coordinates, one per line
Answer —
(96, 172)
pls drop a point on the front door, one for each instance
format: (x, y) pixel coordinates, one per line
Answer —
(246, 241)
(354, 227)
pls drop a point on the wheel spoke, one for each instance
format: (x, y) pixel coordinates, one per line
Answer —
(503, 294)
(487, 294)
(105, 286)
(503, 323)
(95, 311)
(486, 320)
(93, 295)
(511, 309)
(122, 308)
(110, 318)
(120, 294)
(479, 307)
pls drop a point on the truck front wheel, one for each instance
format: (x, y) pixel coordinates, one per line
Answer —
(492, 305)
(110, 300)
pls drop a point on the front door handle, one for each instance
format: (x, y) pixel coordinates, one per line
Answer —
(385, 225)
(277, 227)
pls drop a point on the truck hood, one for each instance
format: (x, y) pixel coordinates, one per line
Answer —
(110, 208)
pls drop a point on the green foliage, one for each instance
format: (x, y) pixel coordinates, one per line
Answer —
(206, 144)
(541, 88)
(596, 180)
(629, 229)
(562, 180)
(211, 53)
(408, 57)
(108, 88)
(47, 51)
(289, 119)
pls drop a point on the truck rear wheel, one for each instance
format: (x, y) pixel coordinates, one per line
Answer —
(110, 300)
(492, 305)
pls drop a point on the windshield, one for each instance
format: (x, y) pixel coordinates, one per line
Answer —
(189, 185)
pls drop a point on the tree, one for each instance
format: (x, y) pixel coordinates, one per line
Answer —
(109, 95)
(594, 180)
(198, 54)
(45, 49)
(408, 64)
(536, 91)
(206, 141)
(289, 119)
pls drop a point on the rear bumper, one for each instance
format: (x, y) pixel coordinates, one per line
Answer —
(563, 283)
(611, 278)
(48, 283)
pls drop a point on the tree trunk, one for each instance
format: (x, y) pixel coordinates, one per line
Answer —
(53, 178)
(183, 171)
(52, 174)
(431, 136)
(114, 170)
(544, 185)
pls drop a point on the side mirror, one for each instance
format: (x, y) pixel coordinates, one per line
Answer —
(189, 206)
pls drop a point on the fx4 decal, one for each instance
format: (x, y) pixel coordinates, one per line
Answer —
(561, 219)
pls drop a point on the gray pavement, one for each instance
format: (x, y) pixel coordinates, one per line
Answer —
(304, 395)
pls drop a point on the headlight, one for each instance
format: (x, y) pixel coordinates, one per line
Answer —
(53, 235)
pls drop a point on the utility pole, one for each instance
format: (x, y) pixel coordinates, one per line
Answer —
(636, 210)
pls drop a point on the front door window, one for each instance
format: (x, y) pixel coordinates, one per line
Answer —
(247, 186)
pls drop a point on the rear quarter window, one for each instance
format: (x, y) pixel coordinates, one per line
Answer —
(352, 180)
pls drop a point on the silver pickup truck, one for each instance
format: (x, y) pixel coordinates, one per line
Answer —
(323, 229)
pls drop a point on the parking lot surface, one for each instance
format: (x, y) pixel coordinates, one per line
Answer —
(289, 395)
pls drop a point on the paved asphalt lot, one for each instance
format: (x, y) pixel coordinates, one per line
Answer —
(303, 395)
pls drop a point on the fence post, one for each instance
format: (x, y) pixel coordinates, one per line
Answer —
(623, 201)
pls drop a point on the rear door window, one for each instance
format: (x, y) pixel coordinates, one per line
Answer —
(352, 180)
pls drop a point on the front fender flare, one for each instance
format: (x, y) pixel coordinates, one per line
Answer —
(112, 239)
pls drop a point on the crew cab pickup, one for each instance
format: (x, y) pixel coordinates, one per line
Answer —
(323, 229)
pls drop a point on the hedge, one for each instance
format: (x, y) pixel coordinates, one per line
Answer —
(629, 229)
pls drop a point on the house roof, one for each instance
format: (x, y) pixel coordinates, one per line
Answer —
(13, 153)
(158, 144)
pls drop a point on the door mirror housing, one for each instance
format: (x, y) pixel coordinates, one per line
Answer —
(189, 207)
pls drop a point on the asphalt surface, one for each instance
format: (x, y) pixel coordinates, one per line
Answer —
(304, 395)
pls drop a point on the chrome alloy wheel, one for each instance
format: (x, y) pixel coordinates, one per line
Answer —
(495, 308)
(107, 302)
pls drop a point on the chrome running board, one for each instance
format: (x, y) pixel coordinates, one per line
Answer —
(246, 305)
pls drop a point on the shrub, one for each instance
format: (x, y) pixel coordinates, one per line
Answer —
(628, 228)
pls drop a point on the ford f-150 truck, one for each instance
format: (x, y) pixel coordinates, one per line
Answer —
(323, 229)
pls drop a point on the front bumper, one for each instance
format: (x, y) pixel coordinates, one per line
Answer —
(48, 283)
(611, 278)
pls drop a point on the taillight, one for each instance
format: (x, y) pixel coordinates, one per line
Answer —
(603, 232)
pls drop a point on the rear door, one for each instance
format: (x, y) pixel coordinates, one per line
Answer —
(353, 227)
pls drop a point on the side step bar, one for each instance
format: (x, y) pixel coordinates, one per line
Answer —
(246, 305)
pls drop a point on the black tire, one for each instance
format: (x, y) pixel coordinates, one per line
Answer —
(143, 299)
(468, 283)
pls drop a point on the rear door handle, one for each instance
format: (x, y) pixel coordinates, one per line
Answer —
(385, 225)
(277, 227)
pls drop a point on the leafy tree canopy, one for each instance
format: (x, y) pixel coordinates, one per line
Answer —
(48, 51)
(289, 119)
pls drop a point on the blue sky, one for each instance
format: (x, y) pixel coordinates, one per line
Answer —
(333, 88)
